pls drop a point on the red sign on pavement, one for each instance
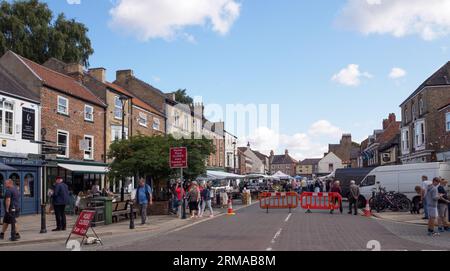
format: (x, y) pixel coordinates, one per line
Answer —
(178, 157)
(83, 223)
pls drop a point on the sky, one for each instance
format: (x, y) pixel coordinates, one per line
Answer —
(331, 67)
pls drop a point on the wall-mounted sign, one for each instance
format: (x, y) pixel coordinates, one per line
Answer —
(28, 124)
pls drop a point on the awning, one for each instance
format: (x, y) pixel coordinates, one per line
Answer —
(85, 168)
(6, 167)
(220, 175)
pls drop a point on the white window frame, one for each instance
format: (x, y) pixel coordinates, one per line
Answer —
(3, 118)
(66, 106)
(176, 119)
(405, 140)
(117, 108)
(67, 145)
(92, 112)
(91, 157)
(419, 135)
(119, 130)
(142, 119)
(421, 106)
(447, 121)
(157, 122)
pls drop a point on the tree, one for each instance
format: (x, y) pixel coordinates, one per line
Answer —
(26, 28)
(182, 97)
(143, 156)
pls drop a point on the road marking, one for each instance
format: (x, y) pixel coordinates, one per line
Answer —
(287, 219)
(276, 236)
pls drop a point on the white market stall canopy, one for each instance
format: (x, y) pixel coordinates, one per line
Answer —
(249, 176)
(281, 175)
(220, 175)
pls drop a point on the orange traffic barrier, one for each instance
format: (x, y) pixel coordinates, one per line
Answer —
(286, 200)
(320, 201)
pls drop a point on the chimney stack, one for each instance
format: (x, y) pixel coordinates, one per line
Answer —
(98, 73)
(121, 76)
(75, 70)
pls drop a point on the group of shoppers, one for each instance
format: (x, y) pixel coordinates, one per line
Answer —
(198, 197)
(435, 203)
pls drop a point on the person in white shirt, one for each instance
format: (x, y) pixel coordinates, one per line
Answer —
(425, 184)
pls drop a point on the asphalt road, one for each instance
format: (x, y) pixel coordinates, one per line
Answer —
(252, 229)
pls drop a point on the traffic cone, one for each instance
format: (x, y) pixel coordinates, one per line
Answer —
(230, 208)
(367, 212)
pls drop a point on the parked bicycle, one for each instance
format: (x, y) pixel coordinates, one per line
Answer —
(393, 201)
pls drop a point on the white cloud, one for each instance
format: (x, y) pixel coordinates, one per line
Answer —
(427, 18)
(397, 73)
(324, 127)
(350, 76)
(311, 144)
(150, 19)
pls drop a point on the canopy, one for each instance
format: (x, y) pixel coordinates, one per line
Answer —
(6, 167)
(281, 175)
(85, 168)
(220, 175)
(255, 175)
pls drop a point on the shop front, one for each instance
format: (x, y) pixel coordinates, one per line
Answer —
(79, 176)
(26, 175)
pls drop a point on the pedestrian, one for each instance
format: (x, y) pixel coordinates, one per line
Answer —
(336, 188)
(432, 197)
(12, 211)
(206, 196)
(95, 189)
(425, 184)
(144, 197)
(353, 197)
(60, 200)
(304, 185)
(193, 198)
(443, 204)
(317, 186)
(416, 201)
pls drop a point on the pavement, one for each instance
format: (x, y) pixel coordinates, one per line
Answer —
(402, 217)
(30, 228)
(252, 229)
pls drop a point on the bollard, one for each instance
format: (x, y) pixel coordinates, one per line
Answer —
(131, 216)
(183, 215)
(43, 222)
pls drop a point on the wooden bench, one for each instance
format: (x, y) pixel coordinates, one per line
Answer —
(121, 210)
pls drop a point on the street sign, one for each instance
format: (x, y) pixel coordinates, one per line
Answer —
(83, 225)
(84, 145)
(178, 157)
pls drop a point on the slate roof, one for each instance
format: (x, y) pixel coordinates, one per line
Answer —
(308, 162)
(283, 159)
(440, 78)
(9, 85)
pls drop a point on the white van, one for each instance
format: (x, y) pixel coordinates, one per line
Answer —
(402, 178)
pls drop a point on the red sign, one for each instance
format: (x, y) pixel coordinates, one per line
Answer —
(83, 223)
(178, 158)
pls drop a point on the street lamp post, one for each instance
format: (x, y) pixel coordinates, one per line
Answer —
(123, 99)
(234, 157)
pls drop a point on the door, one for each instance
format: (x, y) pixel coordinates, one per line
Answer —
(29, 192)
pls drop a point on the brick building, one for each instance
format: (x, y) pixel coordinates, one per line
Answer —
(346, 150)
(72, 119)
(424, 128)
(284, 163)
(383, 146)
(308, 168)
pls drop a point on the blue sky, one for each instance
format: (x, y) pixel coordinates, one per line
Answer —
(277, 52)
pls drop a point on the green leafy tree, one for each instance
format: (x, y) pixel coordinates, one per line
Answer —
(143, 156)
(27, 28)
(181, 96)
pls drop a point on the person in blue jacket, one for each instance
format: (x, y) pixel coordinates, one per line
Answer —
(60, 199)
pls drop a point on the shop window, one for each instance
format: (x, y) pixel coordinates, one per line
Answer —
(16, 180)
(28, 186)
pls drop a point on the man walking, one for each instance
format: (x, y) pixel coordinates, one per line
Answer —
(353, 197)
(60, 200)
(443, 207)
(12, 211)
(144, 198)
(425, 184)
(432, 197)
